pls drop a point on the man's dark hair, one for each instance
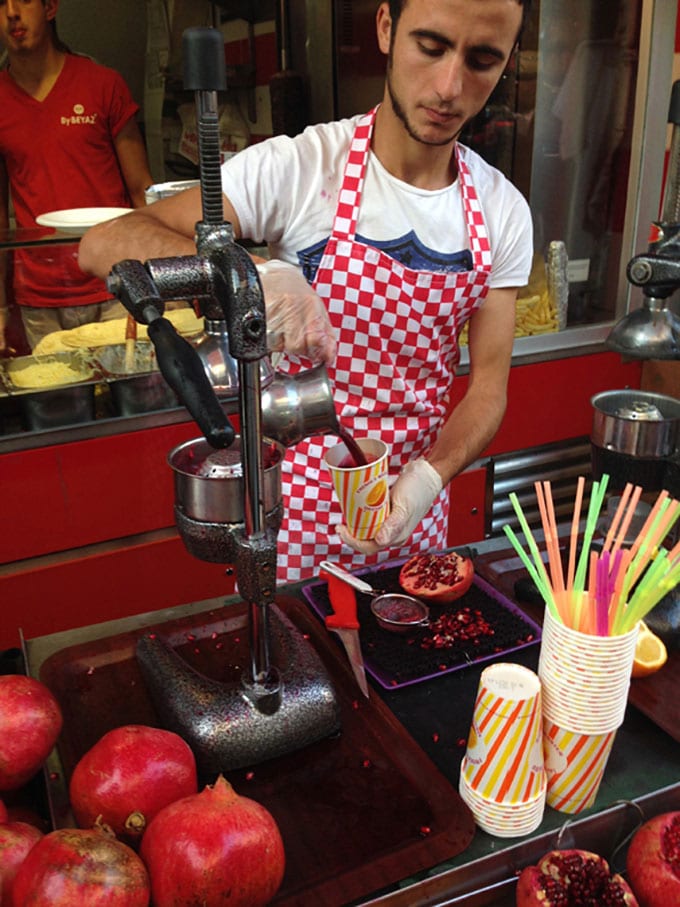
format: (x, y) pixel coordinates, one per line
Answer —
(396, 7)
(58, 43)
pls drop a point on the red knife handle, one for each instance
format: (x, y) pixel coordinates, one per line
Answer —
(344, 603)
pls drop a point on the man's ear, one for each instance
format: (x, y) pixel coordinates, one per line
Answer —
(51, 7)
(383, 23)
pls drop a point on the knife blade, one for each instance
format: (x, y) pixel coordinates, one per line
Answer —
(343, 621)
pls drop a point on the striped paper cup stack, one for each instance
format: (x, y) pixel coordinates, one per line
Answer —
(502, 776)
(585, 680)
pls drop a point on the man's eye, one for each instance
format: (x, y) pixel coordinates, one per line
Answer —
(483, 62)
(431, 48)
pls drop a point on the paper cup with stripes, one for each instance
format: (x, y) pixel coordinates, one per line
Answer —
(504, 758)
(363, 491)
(574, 766)
(503, 820)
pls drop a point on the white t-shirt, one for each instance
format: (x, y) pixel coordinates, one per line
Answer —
(285, 192)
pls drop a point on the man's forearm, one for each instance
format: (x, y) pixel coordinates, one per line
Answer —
(134, 236)
(469, 429)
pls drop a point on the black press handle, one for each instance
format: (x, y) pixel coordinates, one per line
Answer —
(182, 369)
(204, 65)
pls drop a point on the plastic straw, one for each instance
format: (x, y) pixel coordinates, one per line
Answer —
(648, 593)
(552, 547)
(617, 516)
(602, 598)
(542, 587)
(554, 537)
(596, 498)
(573, 538)
(630, 513)
(646, 547)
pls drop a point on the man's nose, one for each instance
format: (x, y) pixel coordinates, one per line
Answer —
(449, 83)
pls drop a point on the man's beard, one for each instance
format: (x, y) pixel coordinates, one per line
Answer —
(400, 113)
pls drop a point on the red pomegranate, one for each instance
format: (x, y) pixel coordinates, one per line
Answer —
(130, 774)
(16, 840)
(215, 848)
(653, 861)
(437, 577)
(74, 866)
(572, 878)
(30, 723)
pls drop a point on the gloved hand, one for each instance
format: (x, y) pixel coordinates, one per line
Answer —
(297, 320)
(411, 497)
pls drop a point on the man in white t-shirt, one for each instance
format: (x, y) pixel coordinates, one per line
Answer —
(386, 237)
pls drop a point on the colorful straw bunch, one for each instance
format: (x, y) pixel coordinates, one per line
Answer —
(603, 592)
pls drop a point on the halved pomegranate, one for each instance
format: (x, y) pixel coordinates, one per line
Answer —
(572, 878)
(653, 861)
(437, 577)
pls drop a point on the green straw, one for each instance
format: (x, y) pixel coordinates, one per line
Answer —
(657, 582)
(533, 547)
(594, 507)
(533, 573)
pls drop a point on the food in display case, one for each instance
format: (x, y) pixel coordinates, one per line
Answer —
(109, 333)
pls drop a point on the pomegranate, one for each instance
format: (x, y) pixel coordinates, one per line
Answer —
(130, 774)
(3, 812)
(16, 840)
(214, 848)
(30, 723)
(74, 866)
(572, 878)
(437, 577)
(653, 861)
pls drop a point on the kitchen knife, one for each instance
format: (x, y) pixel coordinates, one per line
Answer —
(343, 621)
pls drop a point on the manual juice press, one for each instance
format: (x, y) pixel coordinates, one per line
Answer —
(228, 504)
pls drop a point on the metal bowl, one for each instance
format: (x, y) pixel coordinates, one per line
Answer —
(635, 422)
(208, 482)
(399, 613)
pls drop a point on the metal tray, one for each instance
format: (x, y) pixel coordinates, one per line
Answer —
(77, 359)
(142, 390)
(398, 660)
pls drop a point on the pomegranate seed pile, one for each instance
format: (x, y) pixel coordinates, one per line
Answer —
(582, 882)
(464, 625)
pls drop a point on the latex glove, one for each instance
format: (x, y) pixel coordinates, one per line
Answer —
(297, 320)
(411, 497)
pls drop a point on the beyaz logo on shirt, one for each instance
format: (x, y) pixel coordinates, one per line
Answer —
(79, 117)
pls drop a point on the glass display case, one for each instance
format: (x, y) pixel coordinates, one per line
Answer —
(77, 391)
(578, 122)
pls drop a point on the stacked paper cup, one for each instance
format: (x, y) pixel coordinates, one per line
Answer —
(502, 777)
(585, 682)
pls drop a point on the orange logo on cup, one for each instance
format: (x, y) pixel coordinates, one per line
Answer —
(376, 495)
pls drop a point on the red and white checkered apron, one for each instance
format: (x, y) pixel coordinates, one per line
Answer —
(397, 335)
